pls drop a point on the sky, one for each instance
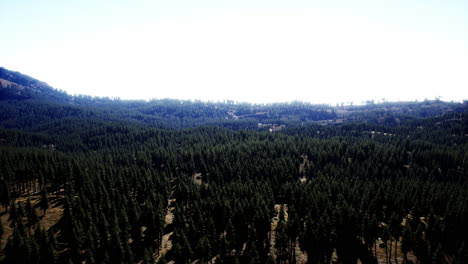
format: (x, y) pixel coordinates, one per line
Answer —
(244, 50)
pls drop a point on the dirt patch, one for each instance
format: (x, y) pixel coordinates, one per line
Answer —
(7, 230)
(6, 84)
(301, 257)
(47, 220)
(278, 208)
(166, 243)
(381, 256)
(258, 113)
(197, 178)
(274, 224)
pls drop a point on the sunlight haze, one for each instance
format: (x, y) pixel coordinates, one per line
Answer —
(256, 51)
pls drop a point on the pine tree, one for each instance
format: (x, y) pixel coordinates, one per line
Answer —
(44, 203)
(5, 196)
(162, 260)
(281, 242)
(204, 249)
(148, 257)
(395, 227)
(385, 238)
(33, 219)
(406, 242)
(1, 230)
(14, 217)
(252, 254)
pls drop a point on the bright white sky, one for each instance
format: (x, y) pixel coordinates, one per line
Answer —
(246, 50)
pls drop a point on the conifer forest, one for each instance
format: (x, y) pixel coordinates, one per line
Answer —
(102, 180)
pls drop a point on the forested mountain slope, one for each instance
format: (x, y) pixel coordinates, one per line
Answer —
(110, 181)
(26, 103)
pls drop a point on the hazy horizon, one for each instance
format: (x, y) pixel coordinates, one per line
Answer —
(245, 51)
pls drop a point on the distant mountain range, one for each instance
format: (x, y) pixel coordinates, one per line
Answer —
(27, 103)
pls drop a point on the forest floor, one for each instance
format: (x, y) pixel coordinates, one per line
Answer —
(381, 255)
(7, 230)
(197, 178)
(301, 257)
(166, 243)
(47, 220)
(232, 113)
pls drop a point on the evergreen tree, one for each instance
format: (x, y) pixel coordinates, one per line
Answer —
(5, 196)
(2, 230)
(406, 242)
(148, 257)
(33, 219)
(44, 202)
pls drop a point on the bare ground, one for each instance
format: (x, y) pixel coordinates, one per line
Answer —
(381, 256)
(47, 220)
(301, 257)
(166, 243)
(197, 178)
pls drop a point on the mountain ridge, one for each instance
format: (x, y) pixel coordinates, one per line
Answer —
(20, 91)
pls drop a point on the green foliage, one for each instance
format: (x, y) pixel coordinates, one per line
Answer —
(119, 167)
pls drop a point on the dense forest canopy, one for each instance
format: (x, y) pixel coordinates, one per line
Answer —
(99, 180)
